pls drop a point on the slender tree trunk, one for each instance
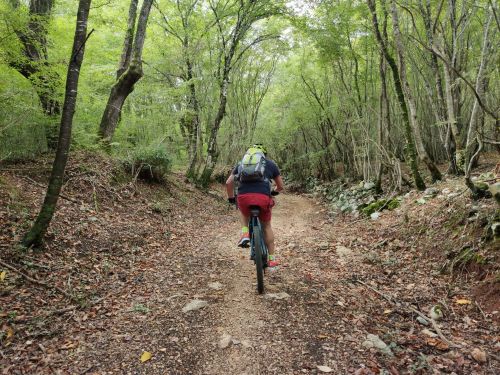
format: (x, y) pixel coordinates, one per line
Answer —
(452, 132)
(456, 139)
(247, 13)
(194, 126)
(440, 108)
(480, 87)
(37, 232)
(129, 39)
(422, 152)
(125, 84)
(381, 123)
(34, 66)
(426, 14)
(410, 144)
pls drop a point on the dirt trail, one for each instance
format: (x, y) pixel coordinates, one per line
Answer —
(325, 317)
(152, 258)
(246, 316)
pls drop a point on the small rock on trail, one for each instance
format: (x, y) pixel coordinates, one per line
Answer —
(216, 285)
(281, 295)
(325, 369)
(194, 305)
(225, 341)
(373, 341)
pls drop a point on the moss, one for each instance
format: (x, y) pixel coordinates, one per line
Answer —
(393, 204)
(380, 205)
(481, 185)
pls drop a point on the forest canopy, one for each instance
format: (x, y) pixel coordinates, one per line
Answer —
(360, 89)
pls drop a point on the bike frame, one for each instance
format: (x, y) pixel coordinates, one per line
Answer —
(254, 224)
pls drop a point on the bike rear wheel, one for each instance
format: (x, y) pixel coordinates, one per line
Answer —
(259, 264)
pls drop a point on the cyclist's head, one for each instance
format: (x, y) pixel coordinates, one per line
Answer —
(260, 147)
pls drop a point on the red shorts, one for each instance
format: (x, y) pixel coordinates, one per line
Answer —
(265, 203)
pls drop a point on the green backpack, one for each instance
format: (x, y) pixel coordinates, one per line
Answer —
(252, 166)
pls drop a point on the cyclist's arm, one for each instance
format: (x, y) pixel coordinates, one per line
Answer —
(230, 186)
(279, 183)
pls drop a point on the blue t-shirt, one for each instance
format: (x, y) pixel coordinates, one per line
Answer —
(262, 187)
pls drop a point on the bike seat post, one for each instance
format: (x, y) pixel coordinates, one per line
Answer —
(255, 211)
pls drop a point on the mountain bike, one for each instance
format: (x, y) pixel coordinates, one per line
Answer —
(258, 249)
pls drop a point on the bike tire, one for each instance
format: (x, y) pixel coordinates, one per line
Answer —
(257, 243)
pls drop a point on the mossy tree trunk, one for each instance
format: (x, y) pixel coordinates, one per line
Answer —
(131, 73)
(382, 124)
(193, 125)
(39, 228)
(128, 42)
(411, 153)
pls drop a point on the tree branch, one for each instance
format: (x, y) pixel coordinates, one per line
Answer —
(467, 82)
(38, 282)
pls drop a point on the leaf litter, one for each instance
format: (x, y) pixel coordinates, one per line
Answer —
(125, 252)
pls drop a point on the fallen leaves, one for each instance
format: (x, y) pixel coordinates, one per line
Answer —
(437, 343)
(146, 356)
(323, 308)
(69, 345)
(478, 355)
(9, 333)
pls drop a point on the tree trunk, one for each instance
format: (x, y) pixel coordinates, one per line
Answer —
(410, 144)
(382, 123)
(37, 232)
(129, 39)
(125, 84)
(213, 152)
(422, 152)
(471, 134)
(453, 133)
(34, 66)
(193, 122)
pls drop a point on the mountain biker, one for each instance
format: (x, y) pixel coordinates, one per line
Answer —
(257, 193)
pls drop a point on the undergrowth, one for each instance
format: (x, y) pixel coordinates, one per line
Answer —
(151, 163)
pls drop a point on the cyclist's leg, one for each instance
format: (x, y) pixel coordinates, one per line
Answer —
(268, 236)
(265, 219)
(244, 213)
(244, 219)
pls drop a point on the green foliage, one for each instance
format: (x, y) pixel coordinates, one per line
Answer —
(151, 163)
(22, 123)
(311, 92)
(140, 308)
